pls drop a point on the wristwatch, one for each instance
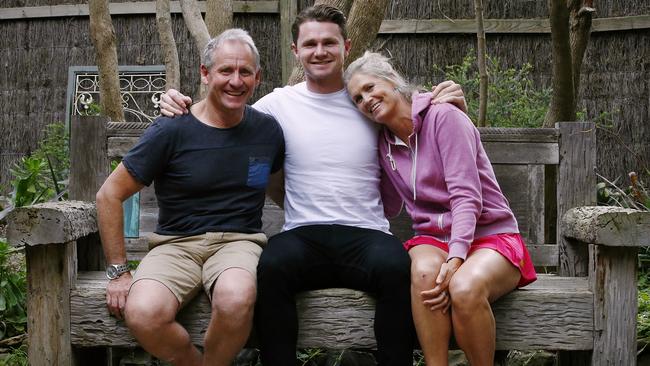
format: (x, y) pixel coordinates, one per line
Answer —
(114, 271)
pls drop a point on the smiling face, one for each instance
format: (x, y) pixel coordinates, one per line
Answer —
(321, 50)
(232, 78)
(375, 97)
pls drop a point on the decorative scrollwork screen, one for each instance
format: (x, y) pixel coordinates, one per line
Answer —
(141, 87)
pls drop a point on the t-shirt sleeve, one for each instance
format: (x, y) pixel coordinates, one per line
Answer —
(278, 163)
(151, 153)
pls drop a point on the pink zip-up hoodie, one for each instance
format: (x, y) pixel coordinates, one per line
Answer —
(444, 178)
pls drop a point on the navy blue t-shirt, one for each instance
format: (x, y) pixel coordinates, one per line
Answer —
(206, 178)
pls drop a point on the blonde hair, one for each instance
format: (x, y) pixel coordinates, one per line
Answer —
(376, 64)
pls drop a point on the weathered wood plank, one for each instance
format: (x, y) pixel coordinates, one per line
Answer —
(576, 187)
(89, 165)
(51, 223)
(118, 146)
(613, 280)
(127, 8)
(288, 11)
(51, 271)
(611, 226)
(558, 309)
(522, 153)
(507, 26)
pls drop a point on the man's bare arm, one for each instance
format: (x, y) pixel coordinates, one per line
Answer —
(119, 186)
(449, 92)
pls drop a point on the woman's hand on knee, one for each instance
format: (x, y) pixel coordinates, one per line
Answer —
(438, 297)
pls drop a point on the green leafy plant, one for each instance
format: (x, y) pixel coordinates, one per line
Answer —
(513, 101)
(42, 175)
(13, 288)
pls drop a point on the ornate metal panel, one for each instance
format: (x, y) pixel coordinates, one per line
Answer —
(141, 87)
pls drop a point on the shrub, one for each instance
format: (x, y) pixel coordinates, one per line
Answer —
(512, 99)
(42, 175)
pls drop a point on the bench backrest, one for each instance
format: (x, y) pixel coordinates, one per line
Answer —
(531, 166)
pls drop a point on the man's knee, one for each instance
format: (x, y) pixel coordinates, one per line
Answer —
(149, 306)
(234, 293)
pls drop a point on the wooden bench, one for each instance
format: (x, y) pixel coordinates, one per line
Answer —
(587, 309)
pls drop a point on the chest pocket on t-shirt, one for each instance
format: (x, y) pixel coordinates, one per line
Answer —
(258, 172)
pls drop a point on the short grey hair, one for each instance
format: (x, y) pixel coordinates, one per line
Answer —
(376, 64)
(229, 35)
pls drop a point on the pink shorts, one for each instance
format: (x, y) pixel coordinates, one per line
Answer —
(511, 246)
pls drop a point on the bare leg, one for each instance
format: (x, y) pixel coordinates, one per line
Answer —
(484, 277)
(433, 327)
(233, 300)
(150, 314)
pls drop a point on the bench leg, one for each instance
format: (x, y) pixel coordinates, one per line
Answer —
(613, 277)
(51, 270)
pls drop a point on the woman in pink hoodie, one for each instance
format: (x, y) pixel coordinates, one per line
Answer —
(467, 251)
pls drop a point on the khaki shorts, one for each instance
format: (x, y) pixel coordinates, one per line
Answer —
(184, 264)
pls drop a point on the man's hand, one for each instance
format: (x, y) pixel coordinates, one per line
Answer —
(116, 293)
(448, 92)
(173, 103)
(438, 297)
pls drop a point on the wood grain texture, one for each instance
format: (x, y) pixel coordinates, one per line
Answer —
(613, 279)
(51, 272)
(51, 223)
(89, 165)
(558, 309)
(605, 225)
(576, 187)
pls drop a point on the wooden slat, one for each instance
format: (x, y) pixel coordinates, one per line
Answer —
(395, 26)
(522, 153)
(119, 146)
(543, 255)
(558, 309)
(129, 8)
(576, 187)
(288, 10)
(614, 283)
(507, 26)
(52, 270)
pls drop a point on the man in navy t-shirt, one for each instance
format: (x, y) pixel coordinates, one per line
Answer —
(211, 169)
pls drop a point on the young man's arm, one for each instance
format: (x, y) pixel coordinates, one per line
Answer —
(119, 186)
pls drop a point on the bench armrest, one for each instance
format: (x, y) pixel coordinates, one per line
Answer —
(51, 223)
(609, 226)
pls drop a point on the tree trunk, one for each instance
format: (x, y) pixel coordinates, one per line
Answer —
(195, 24)
(103, 37)
(363, 24)
(218, 16)
(198, 29)
(581, 15)
(562, 101)
(482, 67)
(298, 74)
(170, 54)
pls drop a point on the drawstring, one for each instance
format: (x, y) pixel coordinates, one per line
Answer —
(390, 159)
(414, 167)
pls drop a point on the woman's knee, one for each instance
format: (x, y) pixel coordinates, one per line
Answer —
(424, 272)
(467, 293)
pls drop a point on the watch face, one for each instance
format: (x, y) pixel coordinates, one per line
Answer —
(111, 272)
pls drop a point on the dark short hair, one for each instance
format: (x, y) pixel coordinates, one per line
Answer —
(319, 13)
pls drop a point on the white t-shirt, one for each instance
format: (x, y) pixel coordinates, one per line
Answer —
(331, 167)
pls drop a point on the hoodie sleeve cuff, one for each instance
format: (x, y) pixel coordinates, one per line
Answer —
(458, 250)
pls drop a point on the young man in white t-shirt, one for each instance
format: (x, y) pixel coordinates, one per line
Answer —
(335, 232)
